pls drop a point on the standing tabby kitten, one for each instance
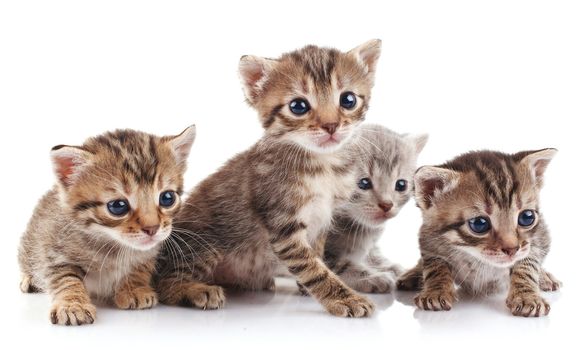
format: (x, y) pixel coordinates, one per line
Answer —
(482, 229)
(97, 233)
(267, 205)
(386, 164)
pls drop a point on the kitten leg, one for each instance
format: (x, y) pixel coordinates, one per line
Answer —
(380, 263)
(548, 282)
(71, 302)
(365, 279)
(182, 286)
(26, 285)
(319, 248)
(135, 292)
(412, 279)
(524, 297)
(438, 293)
(303, 262)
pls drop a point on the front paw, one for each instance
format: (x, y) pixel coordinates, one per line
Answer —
(379, 283)
(549, 283)
(204, 296)
(353, 305)
(72, 313)
(436, 300)
(136, 299)
(527, 305)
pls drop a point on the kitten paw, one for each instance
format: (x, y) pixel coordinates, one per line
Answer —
(353, 305)
(204, 296)
(72, 313)
(528, 305)
(411, 280)
(548, 282)
(438, 300)
(136, 299)
(26, 285)
(379, 283)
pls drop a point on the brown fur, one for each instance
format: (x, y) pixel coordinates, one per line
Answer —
(75, 249)
(264, 208)
(498, 187)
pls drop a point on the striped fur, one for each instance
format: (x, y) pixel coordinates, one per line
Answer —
(262, 211)
(498, 187)
(75, 249)
(351, 251)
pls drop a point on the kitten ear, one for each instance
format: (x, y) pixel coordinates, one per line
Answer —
(368, 54)
(182, 143)
(418, 141)
(536, 161)
(253, 72)
(433, 182)
(68, 163)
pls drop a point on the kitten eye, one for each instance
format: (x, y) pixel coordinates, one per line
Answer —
(479, 224)
(348, 100)
(365, 184)
(299, 106)
(118, 207)
(167, 198)
(401, 185)
(526, 218)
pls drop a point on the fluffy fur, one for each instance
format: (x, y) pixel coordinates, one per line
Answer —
(383, 158)
(497, 187)
(265, 208)
(75, 249)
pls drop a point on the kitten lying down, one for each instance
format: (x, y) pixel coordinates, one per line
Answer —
(386, 162)
(98, 231)
(483, 230)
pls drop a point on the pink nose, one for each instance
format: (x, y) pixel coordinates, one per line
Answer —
(150, 230)
(330, 127)
(386, 207)
(510, 251)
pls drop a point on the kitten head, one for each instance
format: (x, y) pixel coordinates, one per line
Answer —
(485, 203)
(384, 181)
(314, 97)
(124, 185)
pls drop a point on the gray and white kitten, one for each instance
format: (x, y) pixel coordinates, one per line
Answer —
(383, 185)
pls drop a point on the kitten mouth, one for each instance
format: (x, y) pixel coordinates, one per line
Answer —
(329, 141)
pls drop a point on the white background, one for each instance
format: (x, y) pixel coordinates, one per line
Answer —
(505, 75)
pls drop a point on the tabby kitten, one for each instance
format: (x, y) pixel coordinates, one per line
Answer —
(387, 162)
(98, 231)
(482, 230)
(267, 205)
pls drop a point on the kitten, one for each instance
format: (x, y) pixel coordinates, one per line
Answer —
(482, 230)
(387, 162)
(98, 231)
(267, 205)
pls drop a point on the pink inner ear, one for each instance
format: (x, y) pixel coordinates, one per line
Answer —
(540, 166)
(65, 168)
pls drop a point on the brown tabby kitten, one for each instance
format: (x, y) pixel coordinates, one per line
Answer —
(482, 228)
(266, 206)
(98, 231)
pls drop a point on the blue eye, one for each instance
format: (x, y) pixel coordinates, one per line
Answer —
(118, 207)
(299, 106)
(167, 198)
(365, 184)
(348, 100)
(479, 224)
(526, 218)
(401, 185)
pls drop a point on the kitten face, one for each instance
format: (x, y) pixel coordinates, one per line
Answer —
(385, 180)
(314, 97)
(485, 203)
(124, 185)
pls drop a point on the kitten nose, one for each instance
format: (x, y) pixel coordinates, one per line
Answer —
(150, 230)
(386, 207)
(510, 251)
(330, 127)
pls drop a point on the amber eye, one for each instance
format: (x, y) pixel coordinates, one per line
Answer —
(299, 106)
